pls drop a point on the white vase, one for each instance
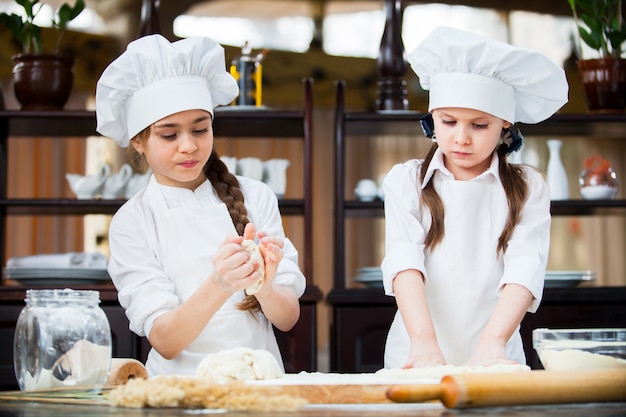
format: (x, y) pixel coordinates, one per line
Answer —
(556, 175)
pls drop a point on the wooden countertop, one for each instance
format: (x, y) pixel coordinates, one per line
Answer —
(34, 409)
(335, 395)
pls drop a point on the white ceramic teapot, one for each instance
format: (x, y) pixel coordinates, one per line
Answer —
(275, 175)
(89, 186)
(115, 185)
(136, 182)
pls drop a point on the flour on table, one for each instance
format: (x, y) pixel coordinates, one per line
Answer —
(438, 372)
(239, 364)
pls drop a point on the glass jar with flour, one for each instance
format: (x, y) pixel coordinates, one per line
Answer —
(62, 339)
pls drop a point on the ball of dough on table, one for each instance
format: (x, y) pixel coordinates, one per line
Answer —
(239, 364)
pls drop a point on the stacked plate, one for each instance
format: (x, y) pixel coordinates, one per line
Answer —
(372, 276)
(567, 279)
(57, 276)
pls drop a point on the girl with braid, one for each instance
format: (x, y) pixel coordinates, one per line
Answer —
(466, 232)
(177, 258)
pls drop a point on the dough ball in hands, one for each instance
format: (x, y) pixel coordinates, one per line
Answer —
(255, 255)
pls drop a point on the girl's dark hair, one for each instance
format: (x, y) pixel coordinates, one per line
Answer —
(515, 187)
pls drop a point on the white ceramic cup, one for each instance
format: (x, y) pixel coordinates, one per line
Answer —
(230, 162)
(366, 190)
(250, 168)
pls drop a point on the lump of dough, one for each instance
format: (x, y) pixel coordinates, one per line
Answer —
(255, 255)
(239, 364)
(264, 365)
(439, 371)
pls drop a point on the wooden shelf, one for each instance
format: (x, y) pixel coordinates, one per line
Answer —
(72, 206)
(231, 122)
(361, 316)
(299, 345)
(588, 207)
(18, 123)
(360, 209)
(563, 125)
(407, 123)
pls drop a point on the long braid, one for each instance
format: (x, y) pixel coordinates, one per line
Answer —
(229, 191)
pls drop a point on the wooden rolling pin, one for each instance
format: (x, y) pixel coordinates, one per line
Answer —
(123, 369)
(518, 388)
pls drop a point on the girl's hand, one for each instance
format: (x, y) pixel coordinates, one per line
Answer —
(424, 353)
(489, 353)
(233, 268)
(272, 250)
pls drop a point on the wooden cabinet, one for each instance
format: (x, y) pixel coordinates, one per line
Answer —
(361, 316)
(361, 319)
(299, 346)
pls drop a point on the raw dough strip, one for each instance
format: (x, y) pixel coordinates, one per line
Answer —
(255, 255)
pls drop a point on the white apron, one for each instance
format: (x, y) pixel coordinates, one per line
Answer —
(189, 238)
(462, 277)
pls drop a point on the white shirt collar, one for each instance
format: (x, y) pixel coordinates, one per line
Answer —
(437, 164)
(177, 196)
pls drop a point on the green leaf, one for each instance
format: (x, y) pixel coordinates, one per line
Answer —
(67, 13)
(29, 8)
(14, 23)
(600, 24)
(590, 39)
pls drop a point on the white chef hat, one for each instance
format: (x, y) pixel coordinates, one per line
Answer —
(463, 69)
(155, 78)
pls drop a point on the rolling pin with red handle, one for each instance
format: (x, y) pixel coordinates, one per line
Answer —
(518, 388)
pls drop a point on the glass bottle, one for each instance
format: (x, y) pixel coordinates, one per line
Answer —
(247, 70)
(597, 181)
(62, 339)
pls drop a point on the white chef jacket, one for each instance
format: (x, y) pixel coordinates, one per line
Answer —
(463, 274)
(162, 242)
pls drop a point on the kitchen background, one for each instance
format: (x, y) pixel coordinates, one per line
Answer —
(327, 41)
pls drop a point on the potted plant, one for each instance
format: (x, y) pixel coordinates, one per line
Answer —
(601, 26)
(42, 79)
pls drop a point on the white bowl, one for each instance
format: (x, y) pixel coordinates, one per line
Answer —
(580, 349)
(598, 192)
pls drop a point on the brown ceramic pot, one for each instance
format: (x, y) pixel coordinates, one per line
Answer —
(42, 81)
(604, 81)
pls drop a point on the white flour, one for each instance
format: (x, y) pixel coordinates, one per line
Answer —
(573, 359)
(86, 364)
